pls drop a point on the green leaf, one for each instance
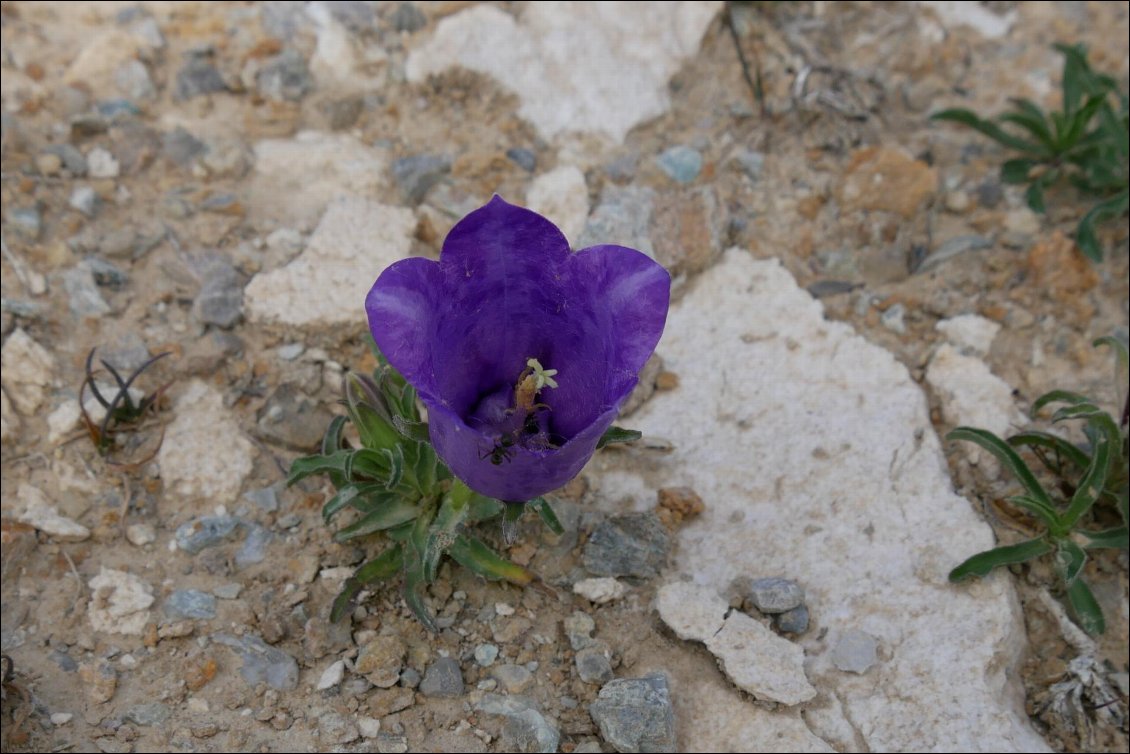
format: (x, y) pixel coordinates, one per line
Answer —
(331, 441)
(1090, 487)
(484, 508)
(1034, 196)
(988, 128)
(475, 556)
(344, 497)
(311, 465)
(542, 507)
(1078, 411)
(1017, 171)
(1085, 235)
(615, 435)
(382, 567)
(391, 513)
(1069, 560)
(375, 431)
(415, 573)
(446, 526)
(1037, 439)
(415, 431)
(1043, 512)
(1117, 538)
(1058, 396)
(1086, 607)
(1075, 69)
(1029, 116)
(984, 562)
(1117, 345)
(1007, 457)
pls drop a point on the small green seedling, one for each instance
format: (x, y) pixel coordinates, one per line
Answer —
(1096, 472)
(1087, 143)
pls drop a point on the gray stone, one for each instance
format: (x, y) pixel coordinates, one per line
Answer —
(636, 715)
(514, 679)
(894, 318)
(83, 296)
(523, 158)
(392, 743)
(407, 17)
(148, 713)
(990, 193)
(826, 288)
(773, 595)
(751, 162)
(443, 678)
(486, 654)
(633, 545)
(624, 213)
(343, 113)
(578, 628)
(73, 160)
(190, 603)
(682, 164)
(204, 532)
(855, 652)
(254, 548)
(291, 419)
(25, 221)
(262, 663)
(285, 77)
(525, 729)
(228, 591)
(116, 111)
(198, 76)
(133, 80)
(85, 200)
(282, 18)
(220, 300)
(410, 678)
(793, 621)
(593, 664)
(416, 174)
(180, 147)
(356, 15)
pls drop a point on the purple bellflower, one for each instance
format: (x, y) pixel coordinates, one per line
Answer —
(522, 350)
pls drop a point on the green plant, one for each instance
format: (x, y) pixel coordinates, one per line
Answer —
(120, 411)
(401, 491)
(1096, 472)
(1087, 143)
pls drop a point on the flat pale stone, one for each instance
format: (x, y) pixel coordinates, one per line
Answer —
(205, 454)
(9, 419)
(562, 196)
(970, 332)
(971, 394)
(587, 67)
(120, 603)
(36, 510)
(326, 285)
(600, 590)
(755, 659)
(26, 370)
(294, 179)
(816, 451)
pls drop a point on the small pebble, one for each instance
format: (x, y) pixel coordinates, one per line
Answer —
(332, 676)
(444, 678)
(681, 163)
(140, 535)
(855, 652)
(486, 654)
(793, 621)
(774, 595)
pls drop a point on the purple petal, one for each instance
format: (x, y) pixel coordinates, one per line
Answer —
(523, 474)
(402, 306)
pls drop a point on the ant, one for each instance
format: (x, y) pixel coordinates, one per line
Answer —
(502, 450)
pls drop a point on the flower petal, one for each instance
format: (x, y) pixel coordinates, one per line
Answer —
(521, 474)
(622, 295)
(402, 307)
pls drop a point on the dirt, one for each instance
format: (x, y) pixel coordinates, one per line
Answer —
(812, 205)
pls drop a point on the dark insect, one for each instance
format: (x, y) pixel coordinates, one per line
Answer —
(530, 427)
(502, 450)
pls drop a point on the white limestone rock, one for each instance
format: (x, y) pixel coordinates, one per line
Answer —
(757, 660)
(817, 453)
(34, 509)
(294, 179)
(577, 67)
(205, 454)
(971, 394)
(972, 333)
(26, 370)
(325, 286)
(119, 603)
(562, 196)
(600, 590)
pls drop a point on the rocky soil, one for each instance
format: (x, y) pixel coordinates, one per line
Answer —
(221, 182)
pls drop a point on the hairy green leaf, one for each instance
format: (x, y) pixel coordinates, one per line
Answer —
(984, 562)
(1007, 457)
